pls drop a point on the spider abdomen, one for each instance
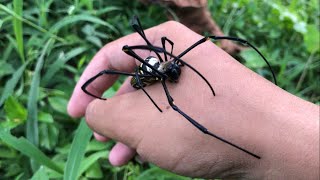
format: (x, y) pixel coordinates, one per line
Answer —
(154, 62)
(145, 81)
(143, 69)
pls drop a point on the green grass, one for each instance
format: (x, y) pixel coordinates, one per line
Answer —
(45, 46)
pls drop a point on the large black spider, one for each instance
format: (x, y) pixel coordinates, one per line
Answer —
(155, 69)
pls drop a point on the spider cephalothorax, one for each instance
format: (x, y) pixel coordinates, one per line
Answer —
(156, 69)
(172, 70)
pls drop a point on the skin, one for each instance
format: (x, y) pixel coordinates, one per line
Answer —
(247, 110)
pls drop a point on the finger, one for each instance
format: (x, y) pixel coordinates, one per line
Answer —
(125, 88)
(100, 138)
(121, 154)
(110, 56)
(125, 117)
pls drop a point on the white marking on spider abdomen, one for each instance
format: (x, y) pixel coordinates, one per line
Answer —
(154, 62)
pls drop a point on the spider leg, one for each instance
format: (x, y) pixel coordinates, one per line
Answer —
(188, 65)
(112, 72)
(141, 87)
(242, 41)
(198, 125)
(163, 41)
(136, 25)
(128, 50)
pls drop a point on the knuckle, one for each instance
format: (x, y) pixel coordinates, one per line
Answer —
(173, 25)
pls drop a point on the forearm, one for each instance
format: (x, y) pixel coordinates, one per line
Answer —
(290, 135)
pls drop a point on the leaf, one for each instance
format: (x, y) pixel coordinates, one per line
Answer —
(45, 117)
(95, 145)
(17, 27)
(7, 51)
(32, 122)
(94, 40)
(40, 174)
(311, 38)
(32, 131)
(109, 93)
(49, 134)
(7, 152)
(53, 174)
(15, 15)
(82, 17)
(113, 90)
(59, 63)
(1, 22)
(25, 147)
(18, 177)
(108, 9)
(300, 26)
(59, 104)
(252, 59)
(156, 172)
(94, 171)
(77, 151)
(8, 124)
(11, 84)
(89, 161)
(5, 68)
(14, 110)
(116, 85)
(81, 62)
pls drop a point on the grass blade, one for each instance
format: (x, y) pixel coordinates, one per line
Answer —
(89, 161)
(10, 12)
(32, 131)
(77, 151)
(17, 27)
(40, 174)
(11, 84)
(160, 173)
(107, 9)
(83, 17)
(59, 63)
(25, 147)
(32, 123)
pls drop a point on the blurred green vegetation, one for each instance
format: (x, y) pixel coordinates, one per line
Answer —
(45, 46)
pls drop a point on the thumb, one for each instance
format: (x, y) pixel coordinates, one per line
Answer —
(124, 118)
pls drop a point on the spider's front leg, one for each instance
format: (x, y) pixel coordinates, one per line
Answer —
(110, 72)
(136, 25)
(128, 50)
(198, 125)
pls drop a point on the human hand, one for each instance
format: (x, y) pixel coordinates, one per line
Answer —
(241, 112)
